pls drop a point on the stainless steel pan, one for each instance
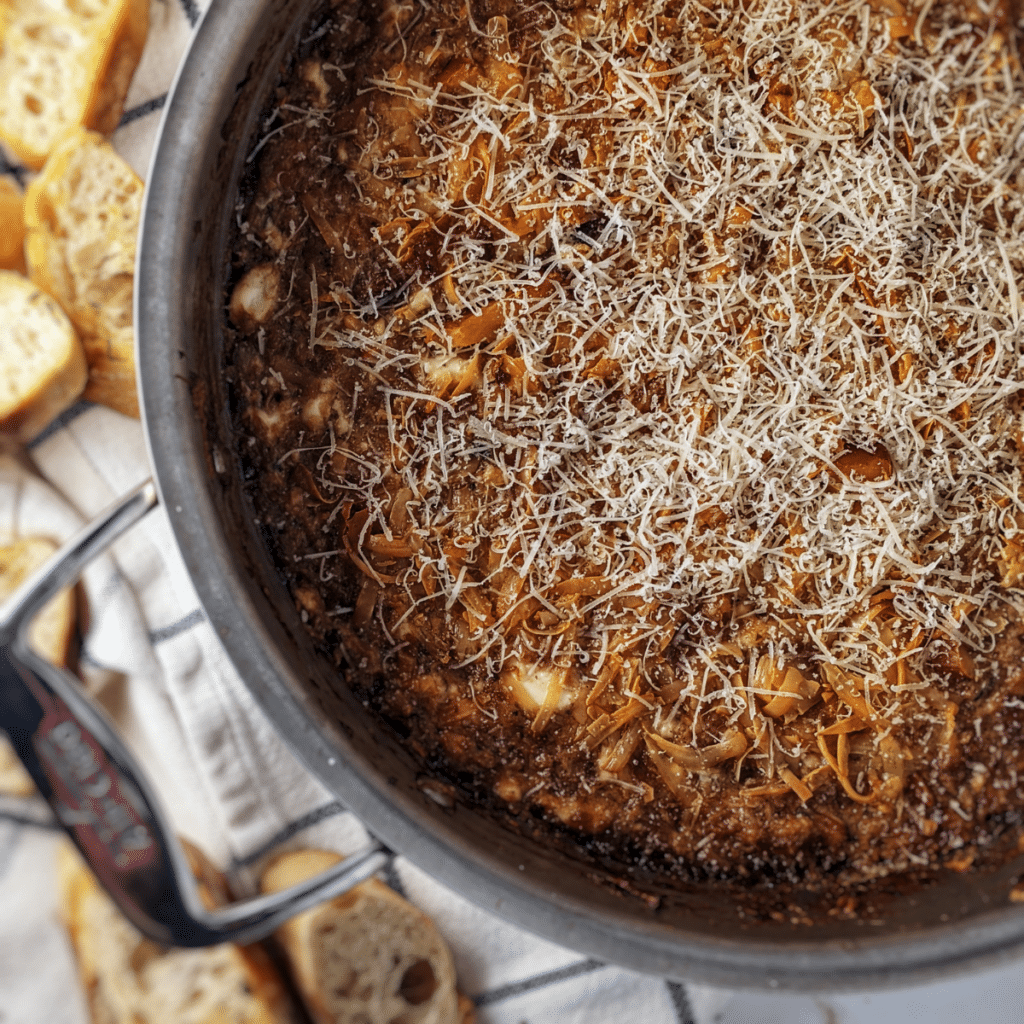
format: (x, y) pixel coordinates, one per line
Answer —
(908, 932)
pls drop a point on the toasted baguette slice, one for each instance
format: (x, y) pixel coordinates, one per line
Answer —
(82, 219)
(368, 956)
(65, 63)
(130, 980)
(51, 636)
(12, 227)
(42, 364)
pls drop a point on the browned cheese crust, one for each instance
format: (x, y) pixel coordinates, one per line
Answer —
(629, 396)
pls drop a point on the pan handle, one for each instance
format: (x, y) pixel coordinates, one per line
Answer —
(97, 789)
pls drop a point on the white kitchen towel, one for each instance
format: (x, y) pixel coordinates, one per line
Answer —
(231, 785)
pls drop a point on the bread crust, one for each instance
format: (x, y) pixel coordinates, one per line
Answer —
(114, 62)
(64, 67)
(81, 218)
(35, 390)
(12, 227)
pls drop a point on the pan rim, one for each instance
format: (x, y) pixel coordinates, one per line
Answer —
(215, 66)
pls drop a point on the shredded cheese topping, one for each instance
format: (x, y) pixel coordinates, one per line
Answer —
(701, 380)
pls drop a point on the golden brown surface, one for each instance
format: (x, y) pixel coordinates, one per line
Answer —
(82, 218)
(65, 64)
(12, 227)
(630, 399)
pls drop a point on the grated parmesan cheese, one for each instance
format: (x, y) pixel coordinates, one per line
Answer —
(697, 335)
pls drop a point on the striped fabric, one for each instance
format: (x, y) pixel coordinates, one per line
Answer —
(232, 787)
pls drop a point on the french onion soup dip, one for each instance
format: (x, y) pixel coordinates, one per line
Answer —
(630, 396)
